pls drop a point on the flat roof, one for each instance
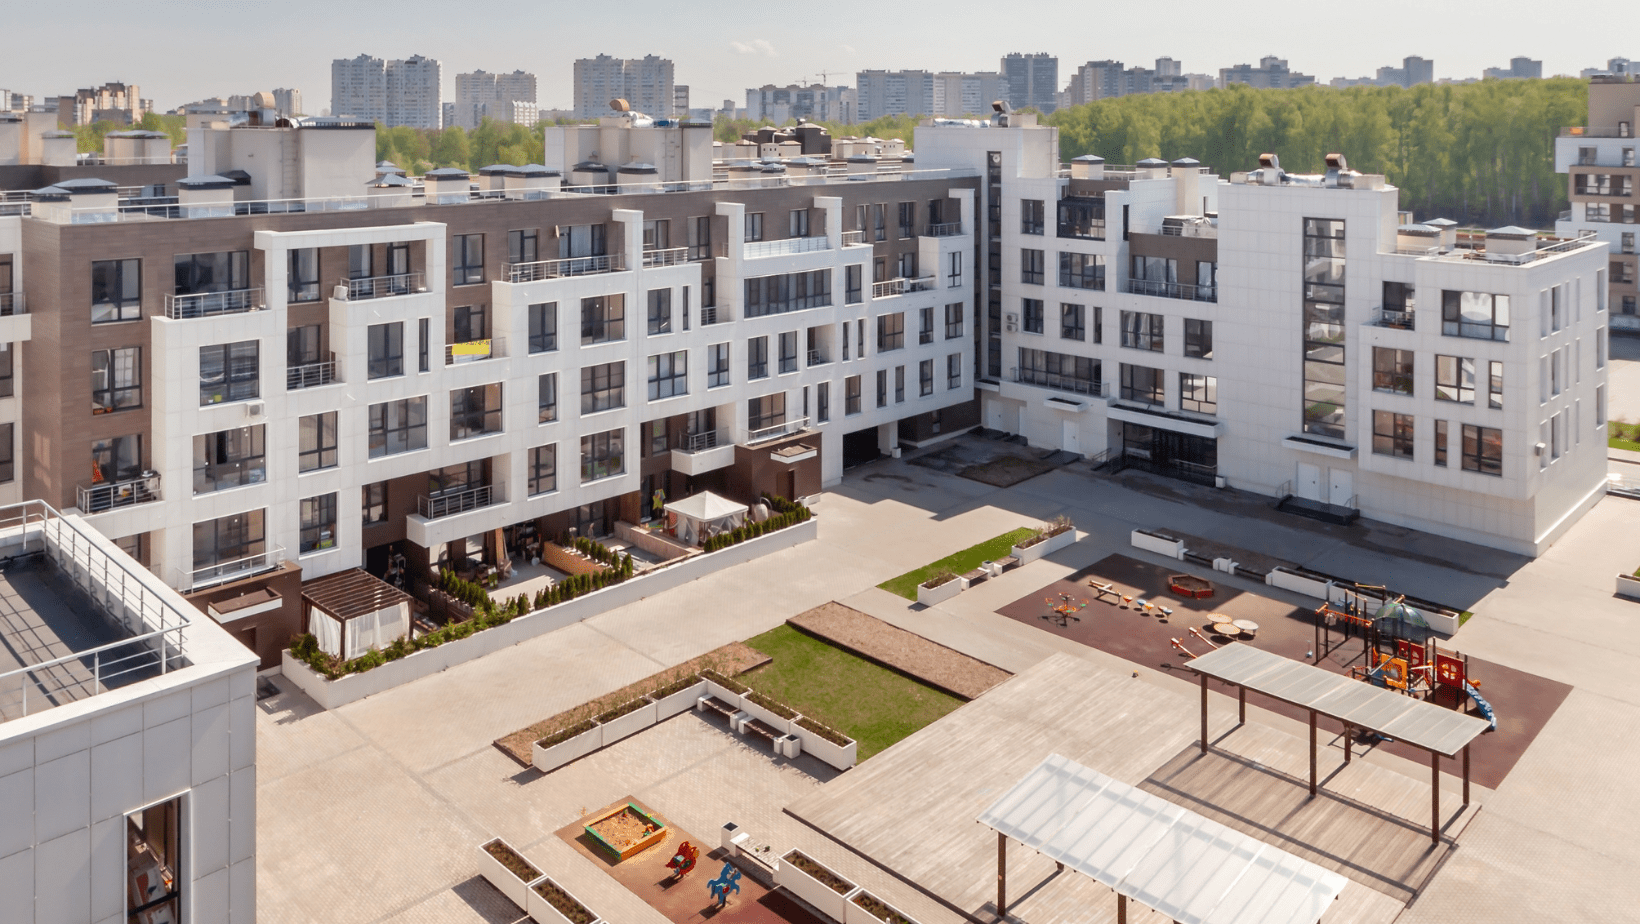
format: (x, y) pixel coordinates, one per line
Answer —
(1190, 868)
(1420, 724)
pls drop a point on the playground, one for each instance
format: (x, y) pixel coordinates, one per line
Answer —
(677, 873)
(1130, 609)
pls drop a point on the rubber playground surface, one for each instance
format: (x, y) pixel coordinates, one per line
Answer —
(689, 900)
(1523, 702)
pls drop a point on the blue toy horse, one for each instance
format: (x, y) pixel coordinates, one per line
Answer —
(726, 882)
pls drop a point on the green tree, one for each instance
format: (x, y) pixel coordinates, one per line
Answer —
(451, 148)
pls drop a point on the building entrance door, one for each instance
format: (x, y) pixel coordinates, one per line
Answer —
(1341, 486)
(1308, 483)
(1071, 441)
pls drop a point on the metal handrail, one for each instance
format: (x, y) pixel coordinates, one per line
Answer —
(383, 286)
(778, 430)
(753, 249)
(853, 238)
(568, 266)
(310, 375)
(476, 351)
(445, 505)
(12, 303)
(815, 359)
(1057, 382)
(99, 497)
(1184, 290)
(901, 285)
(713, 314)
(209, 304)
(698, 442)
(1390, 317)
(944, 229)
(669, 256)
(223, 572)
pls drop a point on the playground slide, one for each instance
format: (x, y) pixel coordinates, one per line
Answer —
(1484, 706)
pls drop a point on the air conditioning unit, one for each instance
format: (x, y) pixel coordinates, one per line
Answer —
(339, 293)
(1013, 321)
(255, 409)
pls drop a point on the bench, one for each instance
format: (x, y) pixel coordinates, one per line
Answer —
(762, 729)
(1007, 564)
(713, 704)
(976, 576)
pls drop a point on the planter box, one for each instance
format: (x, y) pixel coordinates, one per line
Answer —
(501, 877)
(1150, 542)
(713, 688)
(549, 759)
(679, 702)
(768, 718)
(1628, 586)
(840, 756)
(629, 724)
(821, 897)
(1297, 583)
(858, 915)
(543, 912)
(1047, 546)
(1442, 623)
(930, 596)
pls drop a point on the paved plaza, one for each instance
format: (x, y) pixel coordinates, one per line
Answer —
(373, 812)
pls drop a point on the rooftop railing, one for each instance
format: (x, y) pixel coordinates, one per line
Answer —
(112, 495)
(753, 249)
(1583, 239)
(569, 266)
(1597, 131)
(445, 505)
(209, 304)
(777, 431)
(889, 288)
(381, 286)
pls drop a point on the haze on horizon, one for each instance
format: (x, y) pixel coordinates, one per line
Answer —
(184, 50)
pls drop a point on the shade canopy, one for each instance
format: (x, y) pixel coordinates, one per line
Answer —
(1187, 867)
(351, 612)
(701, 516)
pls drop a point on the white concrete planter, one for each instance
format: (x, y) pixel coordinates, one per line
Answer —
(549, 759)
(840, 756)
(857, 915)
(543, 912)
(783, 725)
(630, 724)
(681, 701)
(1628, 586)
(1297, 583)
(501, 877)
(1227, 565)
(1150, 542)
(1046, 547)
(713, 688)
(820, 896)
(1442, 623)
(930, 596)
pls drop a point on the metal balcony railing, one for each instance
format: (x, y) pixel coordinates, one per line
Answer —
(777, 430)
(445, 505)
(209, 304)
(670, 256)
(900, 286)
(853, 238)
(945, 229)
(311, 375)
(815, 359)
(12, 303)
(569, 266)
(382, 286)
(791, 245)
(474, 351)
(1392, 317)
(1182, 290)
(712, 314)
(1057, 382)
(699, 442)
(97, 498)
(232, 570)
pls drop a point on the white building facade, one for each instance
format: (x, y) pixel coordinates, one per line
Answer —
(501, 97)
(645, 83)
(398, 92)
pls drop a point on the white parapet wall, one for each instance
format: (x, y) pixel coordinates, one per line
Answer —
(1298, 583)
(1161, 545)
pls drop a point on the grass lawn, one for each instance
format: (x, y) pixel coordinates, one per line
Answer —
(1617, 442)
(871, 704)
(963, 562)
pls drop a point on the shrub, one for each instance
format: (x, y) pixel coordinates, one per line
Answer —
(825, 876)
(514, 863)
(564, 734)
(676, 686)
(830, 734)
(723, 681)
(942, 576)
(623, 709)
(773, 705)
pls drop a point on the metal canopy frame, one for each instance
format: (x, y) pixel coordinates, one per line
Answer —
(1354, 704)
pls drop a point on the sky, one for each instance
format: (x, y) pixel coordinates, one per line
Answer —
(178, 52)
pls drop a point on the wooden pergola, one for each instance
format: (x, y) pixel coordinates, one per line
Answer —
(1354, 704)
(348, 595)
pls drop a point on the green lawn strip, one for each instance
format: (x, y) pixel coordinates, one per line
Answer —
(961, 563)
(1618, 442)
(1464, 617)
(871, 704)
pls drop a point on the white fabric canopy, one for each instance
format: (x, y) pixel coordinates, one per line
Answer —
(697, 518)
(1187, 867)
(706, 506)
(372, 630)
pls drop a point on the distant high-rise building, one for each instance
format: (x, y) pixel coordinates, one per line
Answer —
(1615, 67)
(112, 102)
(816, 102)
(1098, 80)
(886, 93)
(502, 97)
(1272, 73)
(680, 101)
(289, 101)
(1032, 80)
(1518, 69)
(645, 83)
(957, 94)
(400, 92)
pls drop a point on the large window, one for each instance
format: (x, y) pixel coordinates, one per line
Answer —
(1031, 214)
(851, 395)
(1031, 312)
(228, 372)
(1142, 331)
(603, 318)
(717, 365)
(1482, 450)
(1494, 385)
(222, 543)
(1480, 315)
(8, 372)
(523, 246)
(116, 379)
(1061, 371)
(1082, 217)
(603, 455)
(1392, 434)
(788, 352)
(475, 411)
(753, 226)
(116, 459)
(660, 311)
(543, 327)
(1392, 370)
(890, 332)
(603, 387)
(386, 344)
(1073, 322)
(882, 388)
(302, 275)
(317, 442)
(1082, 271)
(467, 259)
(1031, 264)
(116, 290)
(766, 411)
(318, 526)
(852, 293)
(225, 271)
(953, 321)
(757, 358)
(543, 473)
(1455, 379)
(953, 371)
(8, 453)
(1198, 338)
(1198, 393)
(925, 326)
(925, 378)
(899, 384)
(153, 858)
(398, 426)
(1324, 334)
(546, 401)
(668, 375)
(767, 295)
(1143, 384)
(822, 402)
(373, 503)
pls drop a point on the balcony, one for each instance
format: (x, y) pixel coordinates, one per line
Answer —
(699, 453)
(382, 286)
(944, 229)
(712, 314)
(1597, 131)
(670, 256)
(474, 351)
(889, 288)
(776, 431)
(1184, 290)
(311, 375)
(112, 495)
(817, 359)
(569, 266)
(791, 245)
(449, 504)
(211, 304)
(854, 239)
(1397, 318)
(223, 572)
(1091, 387)
(12, 303)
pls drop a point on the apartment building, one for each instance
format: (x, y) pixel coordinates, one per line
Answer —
(1518, 69)
(1602, 174)
(1272, 73)
(645, 83)
(1098, 80)
(960, 95)
(815, 103)
(127, 738)
(1032, 80)
(117, 102)
(298, 366)
(1293, 336)
(881, 93)
(398, 92)
(481, 95)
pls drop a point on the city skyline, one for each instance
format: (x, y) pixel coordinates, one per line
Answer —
(720, 64)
